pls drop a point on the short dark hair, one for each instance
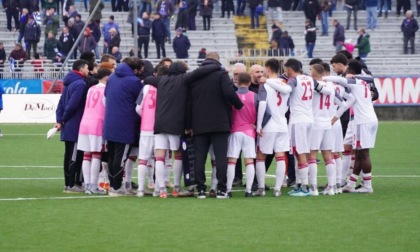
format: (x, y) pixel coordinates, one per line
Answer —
(273, 64)
(79, 64)
(90, 58)
(339, 58)
(293, 64)
(346, 53)
(244, 78)
(163, 60)
(106, 57)
(111, 17)
(326, 67)
(162, 70)
(134, 63)
(318, 69)
(315, 61)
(354, 67)
(103, 72)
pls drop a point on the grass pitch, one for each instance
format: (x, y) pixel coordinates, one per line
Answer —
(37, 216)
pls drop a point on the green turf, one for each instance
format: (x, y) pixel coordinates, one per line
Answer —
(387, 220)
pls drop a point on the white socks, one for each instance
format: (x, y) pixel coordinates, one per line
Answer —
(177, 171)
(260, 171)
(129, 167)
(141, 174)
(280, 172)
(250, 175)
(313, 173)
(331, 172)
(160, 174)
(230, 176)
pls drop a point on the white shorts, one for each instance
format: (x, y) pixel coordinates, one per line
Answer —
(338, 143)
(322, 139)
(167, 142)
(300, 135)
(146, 144)
(277, 141)
(240, 141)
(365, 135)
(90, 143)
(348, 138)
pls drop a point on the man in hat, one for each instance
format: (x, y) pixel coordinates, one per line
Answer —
(181, 44)
(277, 32)
(32, 35)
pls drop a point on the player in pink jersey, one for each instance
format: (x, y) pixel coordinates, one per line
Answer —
(272, 130)
(90, 133)
(322, 134)
(242, 134)
(365, 125)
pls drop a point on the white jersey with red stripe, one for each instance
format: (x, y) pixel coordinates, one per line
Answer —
(277, 106)
(339, 93)
(301, 99)
(321, 106)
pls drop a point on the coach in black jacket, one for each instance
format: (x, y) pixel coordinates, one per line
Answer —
(211, 100)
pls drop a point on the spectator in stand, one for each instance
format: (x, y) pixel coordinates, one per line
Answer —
(310, 37)
(418, 8)
(22, 24)
(144, 34)
(192, 13)
(131, 12)
(97, 16)
(274, 50)
(146, 6)
(66, 42)
(385, 6)
(363, 44)
(96, 33)
(311, 9)
(352, 6)
(275, 6)
(32, 35)
(409, 27)
(287, 45)
(87, 43)
(38, 64)
(18, 56)
(114, 39)
(326, 6)
(166, 9)
(51, 46)
(105, 32)
(158, 34)
(372, 12)
(51, 22)
(403, 4)
(11, 7)
(25, 4)
(339, 37)
(240, 7)
(206, 11)
(2, 59)
(48, 4)
(181, 45)
(69, 14)
(116, 54)
(349, 46)
(277, 32)
(255, 17)
(122, 5)
(182, 18)
(58, 60)
(227, 6)
(78, 24)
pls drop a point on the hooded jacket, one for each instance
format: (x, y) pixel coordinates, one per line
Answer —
(211, 99)
(87, 44)
(172, 97)
(158, 29)
(71, 105)
(181, 45)
(32, 32)
(122, 123)
(363, 44)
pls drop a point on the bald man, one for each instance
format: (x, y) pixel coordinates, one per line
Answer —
(256, 72)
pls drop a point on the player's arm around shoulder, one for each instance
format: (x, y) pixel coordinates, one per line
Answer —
(279, 85)
(151, 80)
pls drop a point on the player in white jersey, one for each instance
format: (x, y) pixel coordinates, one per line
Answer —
(365, 125)
(272, 129)
(301, 120)
(338, 145)
(321, 135)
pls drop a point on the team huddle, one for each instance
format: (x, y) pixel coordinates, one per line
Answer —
(130, 115)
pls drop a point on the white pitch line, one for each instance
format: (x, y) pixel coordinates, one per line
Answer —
(54, 198)
(17, 134)
(32, 166)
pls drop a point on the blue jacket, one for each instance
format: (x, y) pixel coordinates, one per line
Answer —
(1, 97)
(122, 123)
(71, 106)
(105, 30)
(181, 45)
(158, 29)
(144, 31)
(371, 3)
(32, 32)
